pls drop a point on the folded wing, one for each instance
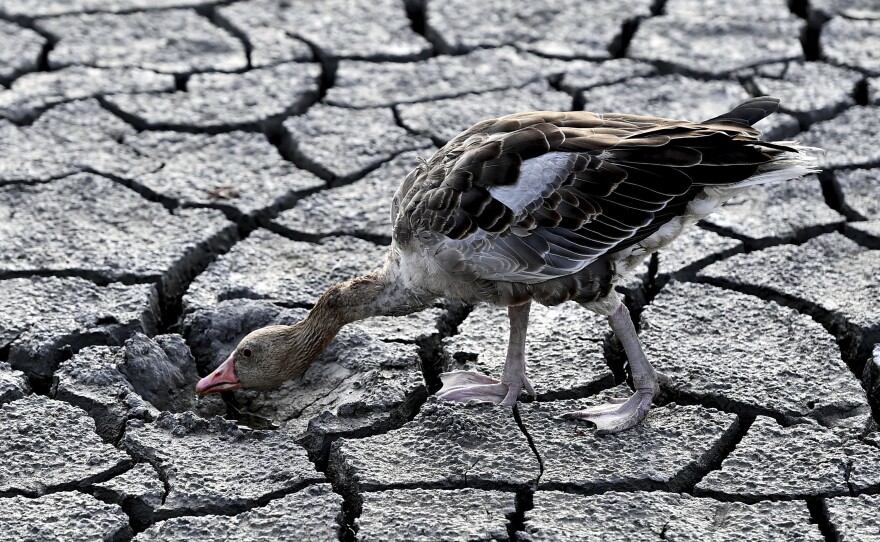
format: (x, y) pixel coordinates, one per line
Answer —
(533, 196)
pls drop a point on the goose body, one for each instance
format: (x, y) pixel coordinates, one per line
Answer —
(542, 206)
(557, 206)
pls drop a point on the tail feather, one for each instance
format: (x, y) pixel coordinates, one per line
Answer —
(784, 167)
(800, 161)
(750, 111)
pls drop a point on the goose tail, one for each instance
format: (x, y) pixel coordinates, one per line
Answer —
(798, 161)
(790, 160)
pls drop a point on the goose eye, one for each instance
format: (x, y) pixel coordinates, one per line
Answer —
(247, 352)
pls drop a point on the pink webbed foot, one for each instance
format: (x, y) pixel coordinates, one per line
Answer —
(619, 414)
(474, 387)
(616, 415)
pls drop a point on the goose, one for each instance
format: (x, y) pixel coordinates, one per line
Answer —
(543, 207)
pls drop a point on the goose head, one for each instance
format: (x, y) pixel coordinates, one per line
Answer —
(268, 357)
(265, 359)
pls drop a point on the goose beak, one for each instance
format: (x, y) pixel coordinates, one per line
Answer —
(222, 379)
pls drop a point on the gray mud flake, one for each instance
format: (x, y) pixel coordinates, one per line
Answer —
(853, 43)
(341, 144)
(13, 384)
(226, 101)
(830, 274)
(178, 41)
(411, 328)
(362, 208)
(582, 75)
(162, 371)
(774, 462)
(671, 96)
(30, 94)
(739, 9)
(811, 91)
(238, 171)
(269, 44)
(564, 349)
(20, 50)
(565, 29)
(212, 467)
(634, 516)
(864, 460)
(448, 446)
(874, 90)
(740, 351)
(88, 224)
(91, 381)
(89, 134)
(50, 8)
(854, 519)
(71, 137)
(715, 46)
(70, 516)
(41, 316)
(364, 29)
(848, 139)
(139, 491)
(116, 384)
(425, 515)
(313, 513)
(859, 189)
(777, 213)
(289, 272)
(693, 249)
(822, 10)
(669, 450)
(24, 158)
(650, 516)
(273, 45)
(442, 120)
(48, 445)
(373, 84)
(866, 232)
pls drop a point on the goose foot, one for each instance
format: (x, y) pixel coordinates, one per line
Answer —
(473, 387)
(616, 415)
(621, 413)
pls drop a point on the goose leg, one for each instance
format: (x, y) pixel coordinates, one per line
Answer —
(471, 386)
(621, 414)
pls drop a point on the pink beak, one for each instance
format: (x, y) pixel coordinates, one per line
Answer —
(222, 379)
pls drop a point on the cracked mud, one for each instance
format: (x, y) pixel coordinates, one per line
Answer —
(177, 173)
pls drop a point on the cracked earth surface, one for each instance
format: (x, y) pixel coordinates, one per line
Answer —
(177, 173)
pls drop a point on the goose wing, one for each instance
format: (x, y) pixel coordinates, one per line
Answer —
(532, 196)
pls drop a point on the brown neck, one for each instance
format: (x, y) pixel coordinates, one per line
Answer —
(349, 301)
(376, 294)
